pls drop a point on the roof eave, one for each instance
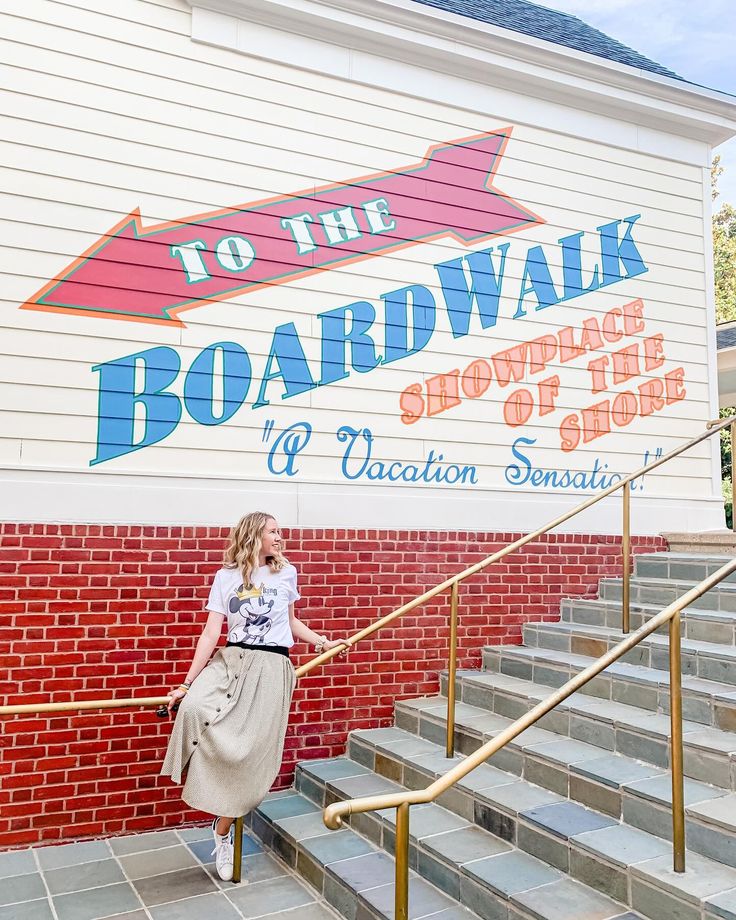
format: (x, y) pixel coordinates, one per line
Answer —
(447, 42)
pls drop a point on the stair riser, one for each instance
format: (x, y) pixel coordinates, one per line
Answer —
(704, 839)
(532, 766)
(566, 855)
(696, 707)
(714, 767)
(704, 664)
(662, 595)
(609, 616)
(693, 570)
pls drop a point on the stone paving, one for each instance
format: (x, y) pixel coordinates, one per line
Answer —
(160, 876)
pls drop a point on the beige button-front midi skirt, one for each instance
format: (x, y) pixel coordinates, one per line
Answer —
(229, 731)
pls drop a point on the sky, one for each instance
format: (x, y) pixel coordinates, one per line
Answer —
(696, 40)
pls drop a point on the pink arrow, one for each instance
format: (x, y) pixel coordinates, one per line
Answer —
(156, 273)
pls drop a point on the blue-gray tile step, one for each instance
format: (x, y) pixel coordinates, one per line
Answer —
(710, 753)
(700, 658)
(679, 566)
(709, 702)
(706, 625)
(618, 785)
(470, 864)
(662, 591)
(588, 846)
(349, 871)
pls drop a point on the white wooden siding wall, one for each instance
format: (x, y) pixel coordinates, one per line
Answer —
(103, 112)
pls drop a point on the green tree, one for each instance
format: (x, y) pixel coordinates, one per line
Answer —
(724, 264)
(726, 470)
(724, 251)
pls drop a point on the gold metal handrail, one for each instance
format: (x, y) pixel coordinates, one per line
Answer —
(453, 584)
(401, 801)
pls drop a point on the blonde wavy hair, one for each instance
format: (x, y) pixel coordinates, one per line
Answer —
(244, 546)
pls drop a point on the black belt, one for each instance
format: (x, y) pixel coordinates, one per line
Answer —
(278, 649)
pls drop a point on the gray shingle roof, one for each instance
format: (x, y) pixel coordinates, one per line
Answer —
(726, 338)
(549, 25)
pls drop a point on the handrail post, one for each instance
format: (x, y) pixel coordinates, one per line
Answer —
(733, 478)
(676, 751)
(451, 670)
(238, 848)
(401, 902)
(626, 549)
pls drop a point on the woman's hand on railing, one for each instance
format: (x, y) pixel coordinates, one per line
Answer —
(175, 697)
(334, 643)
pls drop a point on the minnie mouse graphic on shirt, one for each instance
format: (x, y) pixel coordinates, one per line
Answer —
(254, 610)
(258, 612)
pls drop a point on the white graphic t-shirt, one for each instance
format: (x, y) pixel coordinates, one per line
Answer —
(258, 615)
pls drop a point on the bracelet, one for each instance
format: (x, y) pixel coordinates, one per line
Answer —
(320, 644)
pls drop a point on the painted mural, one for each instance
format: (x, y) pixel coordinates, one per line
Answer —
(295, 285)
(155, 274)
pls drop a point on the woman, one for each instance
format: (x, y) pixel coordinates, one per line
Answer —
(230, 727)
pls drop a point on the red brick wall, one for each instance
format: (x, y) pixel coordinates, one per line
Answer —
(90, 612)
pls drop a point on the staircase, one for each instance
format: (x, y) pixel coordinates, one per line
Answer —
(571, 821)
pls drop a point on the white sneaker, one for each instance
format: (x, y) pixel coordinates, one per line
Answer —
(223, 853)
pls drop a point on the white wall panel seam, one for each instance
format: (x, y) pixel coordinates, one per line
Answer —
(519, 119)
